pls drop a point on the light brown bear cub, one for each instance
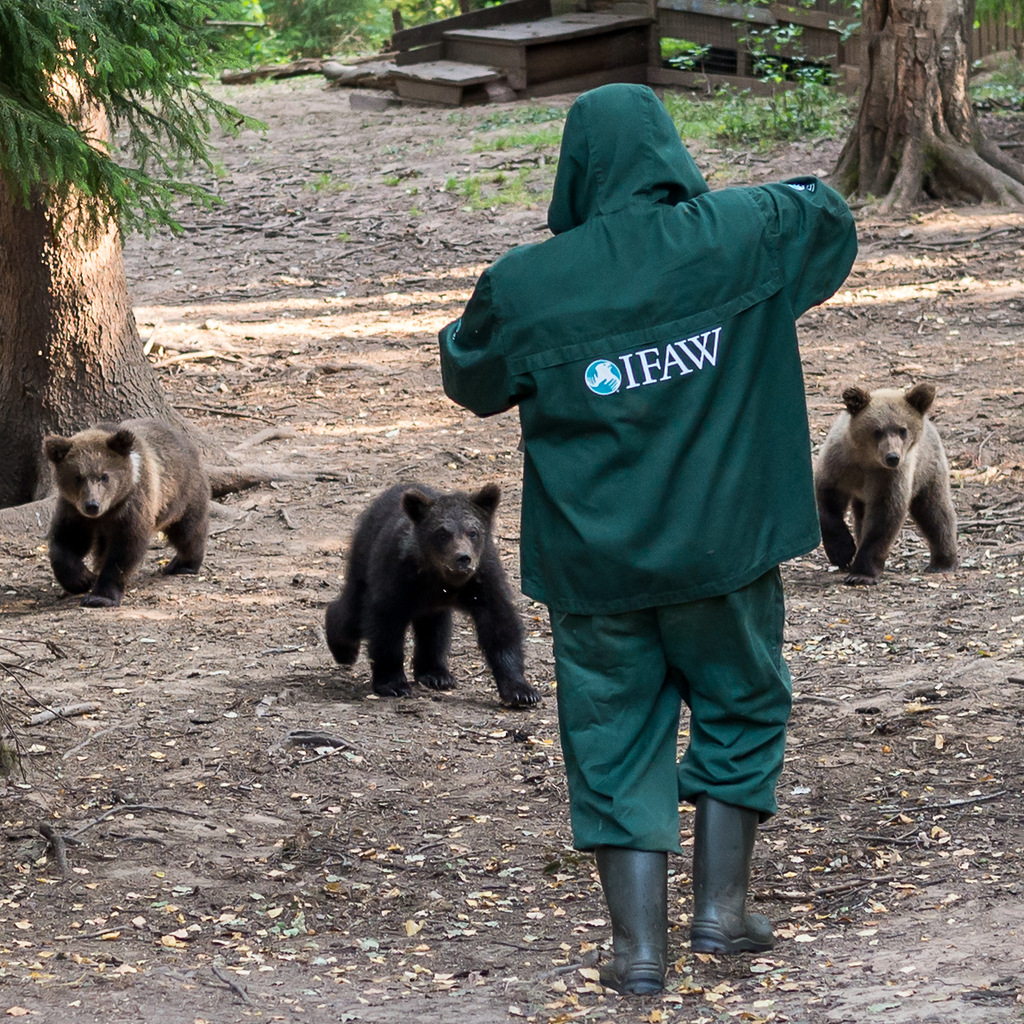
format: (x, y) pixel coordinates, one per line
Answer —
(884, 457)
(116, 486)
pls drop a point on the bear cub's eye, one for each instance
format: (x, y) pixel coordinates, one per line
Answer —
(442, 536)
(903, 431)
(104, 478)
(879, 433)
(472, 534)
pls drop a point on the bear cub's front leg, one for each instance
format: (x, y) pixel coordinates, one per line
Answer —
(69, 544)
(432, 636)
(838, 542)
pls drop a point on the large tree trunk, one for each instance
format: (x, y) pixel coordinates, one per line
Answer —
(916, 134)
(70, 353)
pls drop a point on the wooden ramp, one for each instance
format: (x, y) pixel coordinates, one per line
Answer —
(563, 53)
(451, 83)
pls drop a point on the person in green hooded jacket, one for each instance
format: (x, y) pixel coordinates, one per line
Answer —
(650, 346)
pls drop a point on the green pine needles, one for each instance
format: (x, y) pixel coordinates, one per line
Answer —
(62, 64)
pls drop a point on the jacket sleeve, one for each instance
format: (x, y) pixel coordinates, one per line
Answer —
(817, 239)
(474, 367)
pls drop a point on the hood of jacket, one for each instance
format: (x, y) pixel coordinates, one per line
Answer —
(619, 146)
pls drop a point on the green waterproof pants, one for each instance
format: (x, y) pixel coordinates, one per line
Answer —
(622, 681)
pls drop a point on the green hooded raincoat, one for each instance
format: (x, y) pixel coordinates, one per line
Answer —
(650, 346)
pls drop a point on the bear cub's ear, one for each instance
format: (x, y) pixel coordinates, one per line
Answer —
(416, 505)
(56, 448)
(487, 499)
(920, 397)
(121, 443)
(856, 400)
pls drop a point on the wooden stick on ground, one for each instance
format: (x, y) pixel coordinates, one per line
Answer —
(67, 711)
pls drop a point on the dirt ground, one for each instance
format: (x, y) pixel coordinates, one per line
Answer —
(415, 865)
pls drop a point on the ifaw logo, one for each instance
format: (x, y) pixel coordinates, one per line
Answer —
(654, 365)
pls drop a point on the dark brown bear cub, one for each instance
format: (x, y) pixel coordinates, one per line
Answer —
(417, 554)
(116, 486)
(884, 457)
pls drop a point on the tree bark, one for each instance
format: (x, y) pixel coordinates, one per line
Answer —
(70, 352)
(916, 135)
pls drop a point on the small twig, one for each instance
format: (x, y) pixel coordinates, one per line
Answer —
(317, 757)
(210, 410)
(953, 242)
(95, 736)
(130, 809)
(312, 738)
(236, 986)
(68, 711)
(185, 357)
(113, 929)
(525, 949)
(55, 842)
(588, 960)
(949, 803)
(910, 839)
(855, 883)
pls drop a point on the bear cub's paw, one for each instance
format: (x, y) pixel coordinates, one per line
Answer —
(78, 581)
(392, 686)
(436, 679)
(344, 652)
(856, 579)
(841, 551)
(518, 695)
(176, 567)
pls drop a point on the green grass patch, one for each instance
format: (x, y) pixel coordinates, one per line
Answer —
(809, 111)
(486, 191)
(544, 138)
(326, 182)
(1001, 87)
(511, 118)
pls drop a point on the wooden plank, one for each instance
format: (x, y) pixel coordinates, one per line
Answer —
(442, 94)
(432, 51)
(566, 58)
(447, 72)
(511, 59)
(725, 11)
(512, 10)
(800, 16)
(636, 74)
(430, 92)
(562, 27)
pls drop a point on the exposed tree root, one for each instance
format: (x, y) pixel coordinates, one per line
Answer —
(957, 168)
(229, 479)
(940, 167)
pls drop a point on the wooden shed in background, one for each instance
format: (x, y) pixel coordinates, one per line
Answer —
(523, 48)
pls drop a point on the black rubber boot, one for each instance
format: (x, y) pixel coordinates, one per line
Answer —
(635, 884)
(723, 842)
